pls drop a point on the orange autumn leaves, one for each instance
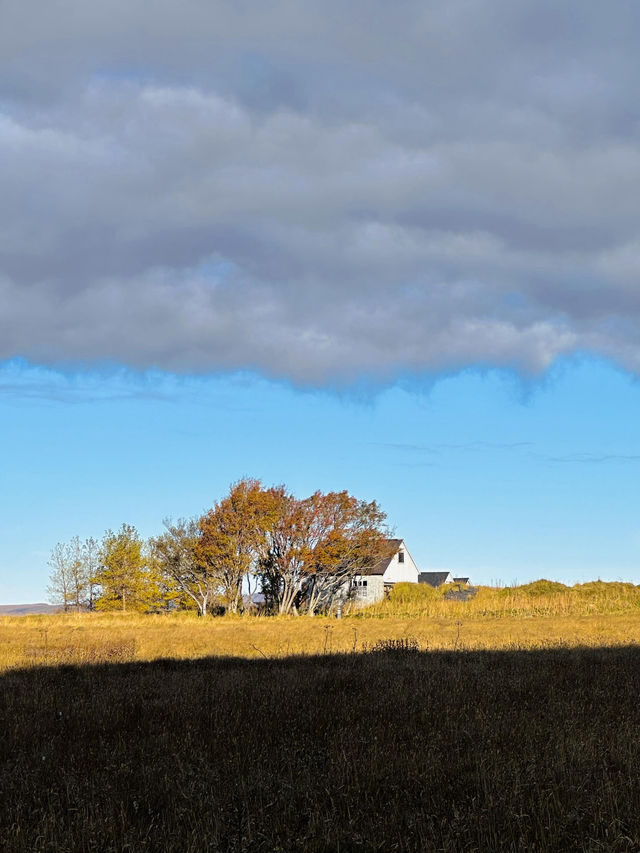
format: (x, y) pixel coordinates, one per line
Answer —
(299, 554)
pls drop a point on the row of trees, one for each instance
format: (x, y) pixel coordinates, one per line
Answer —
(299, 553)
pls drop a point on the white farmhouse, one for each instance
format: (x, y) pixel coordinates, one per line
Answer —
(397, 566)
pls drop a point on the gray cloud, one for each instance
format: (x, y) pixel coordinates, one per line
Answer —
(317, 191)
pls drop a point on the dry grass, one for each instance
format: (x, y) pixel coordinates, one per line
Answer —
(395, 750)
(104, 748)
(541, 598)
(94, 638)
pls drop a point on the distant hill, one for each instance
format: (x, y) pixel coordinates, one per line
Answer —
(25, 609)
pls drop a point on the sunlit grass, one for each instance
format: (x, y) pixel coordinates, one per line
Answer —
(540, 598)
(539, 615)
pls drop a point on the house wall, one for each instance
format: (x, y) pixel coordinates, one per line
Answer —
(397, 572)
(368, 589)
(360, 593)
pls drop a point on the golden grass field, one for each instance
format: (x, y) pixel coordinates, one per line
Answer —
(534, 617)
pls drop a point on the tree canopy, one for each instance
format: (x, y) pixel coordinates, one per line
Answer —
(300, 553)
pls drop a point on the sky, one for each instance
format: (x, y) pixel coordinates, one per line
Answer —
(392, 248)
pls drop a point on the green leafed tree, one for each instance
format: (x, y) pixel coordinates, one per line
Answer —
(124, 577)
(186, 581)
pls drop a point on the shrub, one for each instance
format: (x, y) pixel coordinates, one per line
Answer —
(402, 645)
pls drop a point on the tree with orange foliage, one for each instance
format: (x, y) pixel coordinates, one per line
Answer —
(231, 535)
(315, 546)
(347, 537)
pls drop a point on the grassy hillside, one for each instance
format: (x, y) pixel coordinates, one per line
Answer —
(404, 751)
(540, 598)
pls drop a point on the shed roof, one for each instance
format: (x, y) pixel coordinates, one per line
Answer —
(433, 578)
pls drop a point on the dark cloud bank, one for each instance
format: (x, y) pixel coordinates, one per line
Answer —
(319, 190)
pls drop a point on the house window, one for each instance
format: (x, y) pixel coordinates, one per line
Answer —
(401, 556)
(364, 583)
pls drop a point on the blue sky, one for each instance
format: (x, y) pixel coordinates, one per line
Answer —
(387, 247)
(480, 472)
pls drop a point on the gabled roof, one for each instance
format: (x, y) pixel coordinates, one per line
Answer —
(433, 578)
(461, 580)
(392, 546)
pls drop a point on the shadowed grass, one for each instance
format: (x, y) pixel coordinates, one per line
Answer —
(390, 750)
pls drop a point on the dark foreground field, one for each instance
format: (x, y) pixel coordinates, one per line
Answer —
(486, 751)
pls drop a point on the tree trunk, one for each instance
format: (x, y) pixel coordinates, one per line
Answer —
(232, 601)
(235, 605)
(287, 600)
